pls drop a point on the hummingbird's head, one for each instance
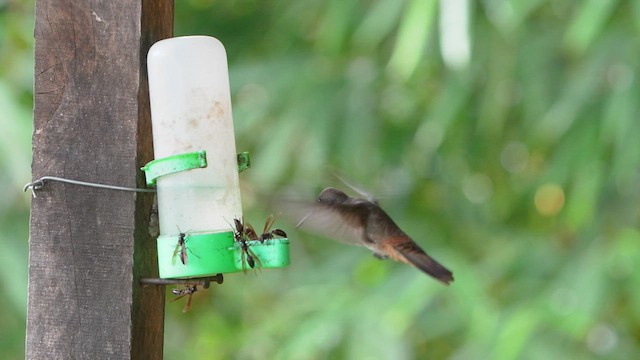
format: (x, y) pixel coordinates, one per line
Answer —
(330, 196)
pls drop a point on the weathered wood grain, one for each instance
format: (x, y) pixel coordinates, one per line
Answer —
(88, 247)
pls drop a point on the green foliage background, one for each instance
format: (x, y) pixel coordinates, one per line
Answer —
(519, 171)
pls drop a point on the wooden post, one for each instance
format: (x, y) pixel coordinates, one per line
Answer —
(88, 247)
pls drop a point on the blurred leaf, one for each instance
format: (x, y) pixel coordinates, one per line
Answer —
(583, 197)
(334, 29)
(587, 23)
(378, 24)
(515, 332)
(414, 31)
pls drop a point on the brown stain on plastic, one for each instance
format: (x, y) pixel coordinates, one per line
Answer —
(217, 110)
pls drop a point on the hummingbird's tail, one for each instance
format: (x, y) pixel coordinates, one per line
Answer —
(410, 253)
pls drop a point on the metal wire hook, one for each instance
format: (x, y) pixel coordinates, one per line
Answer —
(39, 184)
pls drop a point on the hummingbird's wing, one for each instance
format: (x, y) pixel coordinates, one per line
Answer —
(341, 222)
(404, 249)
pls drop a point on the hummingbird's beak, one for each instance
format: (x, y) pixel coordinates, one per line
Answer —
(303, 219)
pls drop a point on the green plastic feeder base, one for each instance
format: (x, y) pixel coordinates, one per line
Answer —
(272, 253)
(216, 253)
(207, 255)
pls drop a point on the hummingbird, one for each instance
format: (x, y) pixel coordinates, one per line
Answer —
(362, 222)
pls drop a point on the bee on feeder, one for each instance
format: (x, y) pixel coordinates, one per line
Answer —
(187, 291)
(251, 258)
(243, 233)
(266, 234)
(181, 248)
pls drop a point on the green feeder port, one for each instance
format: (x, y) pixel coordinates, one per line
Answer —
(218, 253)
(207, 255)
(272, 253)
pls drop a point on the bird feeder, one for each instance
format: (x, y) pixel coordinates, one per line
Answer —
(196, 165)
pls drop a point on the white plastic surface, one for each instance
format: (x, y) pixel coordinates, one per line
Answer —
(191, 111)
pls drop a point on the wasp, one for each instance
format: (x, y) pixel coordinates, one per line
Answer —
(266, 234)
(181, 248)
(187, 291)
(243, 233)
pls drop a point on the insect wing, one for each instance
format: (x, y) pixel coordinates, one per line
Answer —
(175, 252)
(182, 293)
(187, 304)
(243, 259)
(267, 224)
(254, 259)
(250, 232)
